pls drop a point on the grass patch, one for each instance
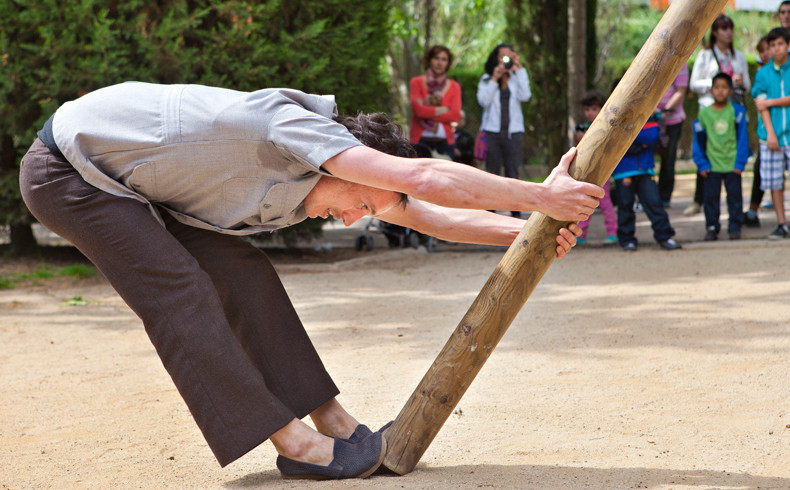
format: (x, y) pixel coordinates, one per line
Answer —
(43, 272)
(80, 271)
(40, 272)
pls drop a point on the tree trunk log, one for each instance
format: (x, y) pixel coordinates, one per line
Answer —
(523, 265)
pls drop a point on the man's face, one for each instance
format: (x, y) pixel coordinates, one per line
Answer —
(720, 90)
(784, 15)
(778, 48)
(591, 112)
(348, 201)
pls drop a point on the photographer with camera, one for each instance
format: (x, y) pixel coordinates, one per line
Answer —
(502, 89)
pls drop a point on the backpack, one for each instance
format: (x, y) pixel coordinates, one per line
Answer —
(481, 146)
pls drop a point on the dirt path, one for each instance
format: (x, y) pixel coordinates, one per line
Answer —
(640, 370)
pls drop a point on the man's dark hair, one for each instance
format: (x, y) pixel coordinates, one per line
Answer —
(595, 98)
(433, 52)
(493, 58)
(777, 33)
(378, 131)
(785, 2)
(722, 76)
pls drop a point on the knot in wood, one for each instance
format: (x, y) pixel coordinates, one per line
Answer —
(525, 243)
(467, 329)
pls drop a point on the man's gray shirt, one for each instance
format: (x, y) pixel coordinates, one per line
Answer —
(218, 159)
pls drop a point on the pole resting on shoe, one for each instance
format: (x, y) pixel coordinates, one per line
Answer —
(604, 144)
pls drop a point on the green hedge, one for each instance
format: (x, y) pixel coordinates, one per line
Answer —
(54, 51)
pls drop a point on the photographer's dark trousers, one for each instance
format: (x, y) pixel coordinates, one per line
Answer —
(504, 151)
(212, 305)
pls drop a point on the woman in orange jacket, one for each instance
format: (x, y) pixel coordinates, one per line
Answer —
(435, 102)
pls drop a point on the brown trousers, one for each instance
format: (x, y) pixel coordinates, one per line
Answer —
(212, 305)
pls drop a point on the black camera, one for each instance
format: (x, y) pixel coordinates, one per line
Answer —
(508, 62)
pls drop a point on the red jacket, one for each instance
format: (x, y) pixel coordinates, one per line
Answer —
(452, 99)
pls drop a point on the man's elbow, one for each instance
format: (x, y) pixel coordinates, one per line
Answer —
(421, 181)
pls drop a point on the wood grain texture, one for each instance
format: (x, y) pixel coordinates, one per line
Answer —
(523, 265)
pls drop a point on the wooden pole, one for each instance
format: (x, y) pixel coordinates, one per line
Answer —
(523, 265)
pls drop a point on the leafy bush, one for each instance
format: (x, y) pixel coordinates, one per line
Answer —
(55, 51)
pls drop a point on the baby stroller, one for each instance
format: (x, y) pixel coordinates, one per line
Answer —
(397, 236)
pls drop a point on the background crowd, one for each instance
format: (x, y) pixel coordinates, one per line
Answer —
(720, 81)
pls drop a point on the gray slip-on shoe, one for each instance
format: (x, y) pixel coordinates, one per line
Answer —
(358, 460)
(362, 431)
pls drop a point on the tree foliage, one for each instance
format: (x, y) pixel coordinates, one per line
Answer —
(470, 28)
(539, 31)
(54, 51)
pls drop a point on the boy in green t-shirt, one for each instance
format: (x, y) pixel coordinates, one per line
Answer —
(721, 148)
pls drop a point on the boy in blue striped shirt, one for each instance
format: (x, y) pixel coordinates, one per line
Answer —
(771, 92)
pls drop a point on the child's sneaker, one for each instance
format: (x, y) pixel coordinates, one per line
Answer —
(711, 234)
(610, 239)
(580, 241)
(780, 232)
(670, 244)
(629, 247)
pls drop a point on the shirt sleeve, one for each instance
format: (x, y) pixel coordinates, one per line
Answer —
(759, 87)
(700, 81)
(311, 138)
(682, 80)
(523, 92)
(487, 89)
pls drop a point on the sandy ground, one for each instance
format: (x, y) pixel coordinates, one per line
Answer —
(623, 370)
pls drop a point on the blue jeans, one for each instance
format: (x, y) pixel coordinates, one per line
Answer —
(646, 188)
(711, 192)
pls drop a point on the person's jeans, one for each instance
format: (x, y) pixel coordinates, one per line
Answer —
(757, 193)
(711, 188)
(666, 174)
(212, 305)
(645, 187)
